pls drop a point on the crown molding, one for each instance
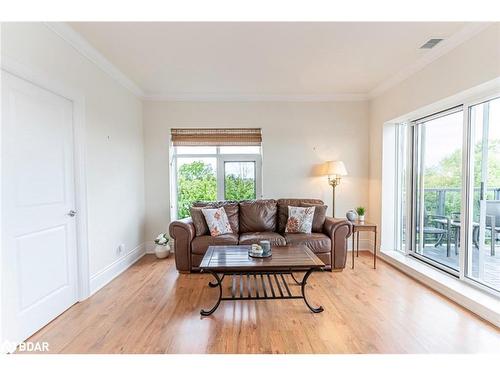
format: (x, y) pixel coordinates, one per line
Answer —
(338, 97)
(86, 49)
(448, 44)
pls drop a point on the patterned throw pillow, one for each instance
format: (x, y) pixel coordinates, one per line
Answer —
(319, 216)
(300, 219)
(217, 221)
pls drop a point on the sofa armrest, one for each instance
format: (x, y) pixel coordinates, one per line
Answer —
(339, 231)
(183, 232)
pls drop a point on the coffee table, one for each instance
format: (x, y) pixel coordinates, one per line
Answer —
(260, 278)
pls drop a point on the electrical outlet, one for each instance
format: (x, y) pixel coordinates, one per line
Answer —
(121, 249)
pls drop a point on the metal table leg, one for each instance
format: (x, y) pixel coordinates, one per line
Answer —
(212, 285)
(255, 286)
(303, 285)
(294, 279)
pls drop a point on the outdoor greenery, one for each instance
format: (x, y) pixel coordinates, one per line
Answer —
(447, 174)
(238, 188)
(197, 181)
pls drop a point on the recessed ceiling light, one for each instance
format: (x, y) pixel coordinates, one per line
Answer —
(431, 43)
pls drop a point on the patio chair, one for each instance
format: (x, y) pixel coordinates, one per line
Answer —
(455, 230)
(456, 224)
(441, 229)
(493, 221)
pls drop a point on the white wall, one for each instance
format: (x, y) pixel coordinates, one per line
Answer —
(296, 138)
(472, 63)
(114, 137)
(128, 180)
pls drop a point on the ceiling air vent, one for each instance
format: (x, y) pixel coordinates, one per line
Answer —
(431, 43)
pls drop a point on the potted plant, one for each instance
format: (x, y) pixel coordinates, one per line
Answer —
(361, 213)
(162, 249)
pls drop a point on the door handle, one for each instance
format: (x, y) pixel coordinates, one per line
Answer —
(72, 213)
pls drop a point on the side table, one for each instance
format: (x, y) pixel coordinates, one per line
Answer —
(363, 226)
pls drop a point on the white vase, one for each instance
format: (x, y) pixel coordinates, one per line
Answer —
(162, 251)
(361, 217)
(351, 215)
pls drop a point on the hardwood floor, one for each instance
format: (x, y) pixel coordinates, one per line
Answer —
(152, 309)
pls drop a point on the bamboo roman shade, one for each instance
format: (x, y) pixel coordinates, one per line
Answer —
(217, 137)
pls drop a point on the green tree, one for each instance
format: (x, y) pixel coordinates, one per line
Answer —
(238, 188)
(197, 181)
(448, 174)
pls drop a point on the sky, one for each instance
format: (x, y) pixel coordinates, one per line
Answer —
(445, 134)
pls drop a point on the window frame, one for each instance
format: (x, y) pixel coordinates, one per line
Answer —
(221, 158)
(235, 158)
(416, 171)
(403, 180)
(468, 168)
(409, 121)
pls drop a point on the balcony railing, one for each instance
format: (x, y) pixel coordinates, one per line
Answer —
(440, 207)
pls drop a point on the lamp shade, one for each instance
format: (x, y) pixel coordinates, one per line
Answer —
(335, 168)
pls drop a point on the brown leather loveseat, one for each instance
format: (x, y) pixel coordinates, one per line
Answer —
(256, 220)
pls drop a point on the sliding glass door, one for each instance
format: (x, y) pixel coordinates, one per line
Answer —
(452, 218)
(438, 188)
(483, 256)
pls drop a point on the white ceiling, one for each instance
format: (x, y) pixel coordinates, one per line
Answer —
(169, 60)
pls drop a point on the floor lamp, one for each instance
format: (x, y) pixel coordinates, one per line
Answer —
(335, 170)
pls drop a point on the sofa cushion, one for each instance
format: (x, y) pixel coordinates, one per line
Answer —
(283, 209)
(317, 242)
(217, 221)
(319, 216)
(258, 216)
(255, 237)
(199, 222)
(300, 219)
(232, 211)
(200, 244)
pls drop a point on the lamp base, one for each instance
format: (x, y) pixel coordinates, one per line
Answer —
(333, 200)
(333, 183)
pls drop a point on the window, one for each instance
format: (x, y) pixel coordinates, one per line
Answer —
(437, 183)
(214, 164)
(401, 181)
(482, 262)
(448, 191)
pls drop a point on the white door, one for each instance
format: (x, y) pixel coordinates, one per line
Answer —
(38, 194)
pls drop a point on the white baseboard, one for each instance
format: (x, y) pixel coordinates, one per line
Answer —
(473, 299)
(103, 277)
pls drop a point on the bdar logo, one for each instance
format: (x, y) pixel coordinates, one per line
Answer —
(25, 346)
